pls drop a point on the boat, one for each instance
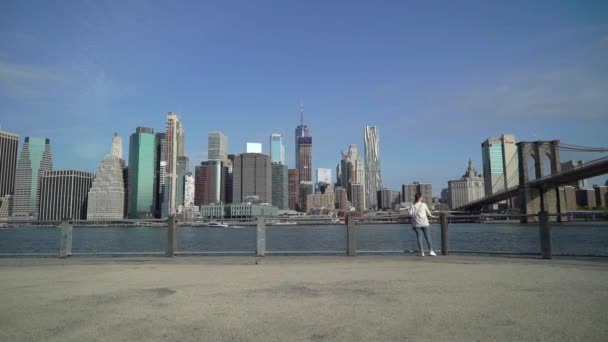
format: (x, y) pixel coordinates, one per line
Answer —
(282, 223)
(216, 224)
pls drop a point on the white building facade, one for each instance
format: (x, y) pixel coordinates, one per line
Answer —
(468, 188)
(106, 198)
(373, 178)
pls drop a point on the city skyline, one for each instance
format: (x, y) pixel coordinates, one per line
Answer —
(453, 79)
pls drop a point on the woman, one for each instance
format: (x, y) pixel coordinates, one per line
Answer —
(420, 222)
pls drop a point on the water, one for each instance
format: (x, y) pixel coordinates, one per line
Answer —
(582, 238)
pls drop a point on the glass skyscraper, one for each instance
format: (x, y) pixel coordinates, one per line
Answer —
(277, 149)
(141, 173)
(34, 160)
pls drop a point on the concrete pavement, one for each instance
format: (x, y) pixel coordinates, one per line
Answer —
(367, 298)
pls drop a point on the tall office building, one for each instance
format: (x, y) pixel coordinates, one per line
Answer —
(160, 172)
(409, 191)
(174, 149)
(385, 199)
(35, 158)
(63, 195)
(227, 178)
(208, 189)
(252, 177)
(280, 193)
(106, 198)
(183, 167)
(277, 149)
(189, 187)
(9, 144)
(358, 193)
(468, 188)
(500, 163)
(301, 131)
(293, 185)
(351, 171)
(141, 174)
(117, 146)
(373, 179)
(305, 169)
(341, 198)
(217, 146)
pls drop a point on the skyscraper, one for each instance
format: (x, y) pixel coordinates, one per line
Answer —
(9, 144)
(183, 167)
(35, 159)
(409, 191)
(117, 146)
(174, 149)
(217, 146)
(189, 187)
(63, 195)
(500, 163)
(301, 131)
(305, 169)
(293, 185)
(252, 177)
(468, 188)
(373, 179)
(106, 198)
(358, 194)
(141, 173)
(277, 149)
(160, 172)
(280, 193)
(351, 171)
(207, 189)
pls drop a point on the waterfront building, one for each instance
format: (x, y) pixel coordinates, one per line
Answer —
(386, 199)
(293, 184)
(252, 175)
(217, 148)
(585, 198)
(351, 171)
(106, 197)
(304, 189)
(207, 185)
(183, 167)
(189, 187)
(468, 188)
(358, 196)
(9, 144)
(228, 178)
(240, 211)
(63, 195)
(116, 146)
(254, 147)
(280, 194)
(573, 164)
(174, 149)
(373, 178)
(409, 191)
(277, 149)
(320, 201)
(341, 198)
(500, 164)
(601, 196)
(141, 174)
(6, 203)
(35, 159)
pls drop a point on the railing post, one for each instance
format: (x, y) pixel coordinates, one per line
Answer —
(171, 243)
(261, 237)
(444, 234)
(65, 248)
(545, 235)
(351, 237)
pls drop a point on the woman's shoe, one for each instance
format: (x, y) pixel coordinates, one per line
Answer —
(421, 253)
(432, 253)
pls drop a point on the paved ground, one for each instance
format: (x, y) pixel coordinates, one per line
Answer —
(375, 298)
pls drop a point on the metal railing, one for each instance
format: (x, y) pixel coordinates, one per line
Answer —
(265, 237)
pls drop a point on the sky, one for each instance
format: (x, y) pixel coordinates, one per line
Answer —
(436, 77)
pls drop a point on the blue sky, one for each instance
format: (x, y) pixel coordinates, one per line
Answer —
(437, 77)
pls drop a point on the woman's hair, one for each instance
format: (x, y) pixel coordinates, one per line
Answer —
(417, 197)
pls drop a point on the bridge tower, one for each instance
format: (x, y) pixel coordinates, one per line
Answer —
(543, 198)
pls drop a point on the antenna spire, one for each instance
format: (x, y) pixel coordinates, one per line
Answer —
(301, 113)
